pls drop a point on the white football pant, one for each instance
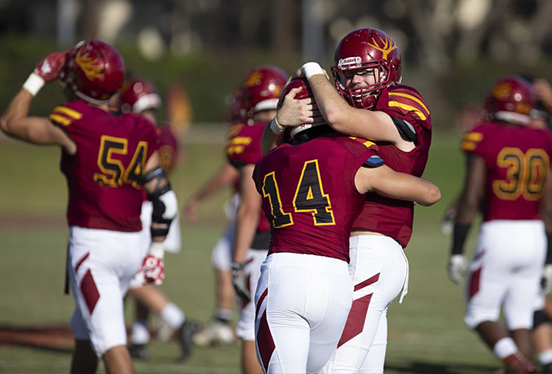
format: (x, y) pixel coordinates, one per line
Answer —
(302, 305)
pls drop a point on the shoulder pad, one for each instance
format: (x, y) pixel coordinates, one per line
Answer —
(373, 161)
(407, 101)
(471, 140)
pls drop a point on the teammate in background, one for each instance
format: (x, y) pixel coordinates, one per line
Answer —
(368, 101)
(140, 97)
(312, 192)
(261, 89)
(508, 162)
(219, 331)
(106, 160)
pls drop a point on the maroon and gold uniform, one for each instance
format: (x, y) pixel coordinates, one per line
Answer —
(104, 176)
(518, 161)
(395, 217)
(244, 148)
(311, 210)
(168, 148)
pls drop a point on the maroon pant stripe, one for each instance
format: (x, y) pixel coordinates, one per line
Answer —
(260, 302)
(81, 261)
(248, 284)
(367, 282)
(474, 282)
(89, 291)
(356, 318)
(265, 342)
(479, 255)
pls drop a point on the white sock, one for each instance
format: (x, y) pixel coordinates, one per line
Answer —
(224, 315)
(173, 316)
(545, 357)
(505, 347)
(140, 334)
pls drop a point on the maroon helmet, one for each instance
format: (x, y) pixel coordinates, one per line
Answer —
(138, 95)
(95, 71)
(511, 100)
(261, 88)
(305, 93)
(364, 49)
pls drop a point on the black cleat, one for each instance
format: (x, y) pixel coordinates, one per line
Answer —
(547, 369)
(186, 338)
(139, 352)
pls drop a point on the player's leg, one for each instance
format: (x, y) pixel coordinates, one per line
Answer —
(282, 331)
(380, 270)
(246, 324)
(117, 361)
(375, 360)
(84, 359)
(329, 298)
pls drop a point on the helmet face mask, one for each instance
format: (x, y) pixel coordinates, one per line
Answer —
(366, 49)
(94, 71)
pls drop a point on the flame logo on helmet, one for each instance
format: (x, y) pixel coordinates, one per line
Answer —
(502, 90)
(388, 45)
(92, 67)
(252, 78)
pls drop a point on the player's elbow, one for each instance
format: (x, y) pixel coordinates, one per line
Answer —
(335, 119)
(5, 125)
(431, 196)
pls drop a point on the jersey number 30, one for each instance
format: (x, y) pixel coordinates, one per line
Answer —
(114, 173)
(309, 197)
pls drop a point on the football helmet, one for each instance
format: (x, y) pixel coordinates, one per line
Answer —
(95, 71)
(138, 95)
(365, 49)
(305, 93)
(511, 99)
(261, 88)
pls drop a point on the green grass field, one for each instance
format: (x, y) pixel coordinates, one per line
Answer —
(426, 332)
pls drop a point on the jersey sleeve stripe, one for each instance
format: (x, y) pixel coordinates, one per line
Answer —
(68, 112)
(410, 97)
(409, 108)
(243, 140)
(59, 119)
(474, 136)
(468, 145)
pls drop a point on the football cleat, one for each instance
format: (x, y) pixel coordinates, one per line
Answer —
(139, 352)
(186, 338)
(215, 334)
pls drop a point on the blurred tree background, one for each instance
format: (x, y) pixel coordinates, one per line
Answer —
(452, 49)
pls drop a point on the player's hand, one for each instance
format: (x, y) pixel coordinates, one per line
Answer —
(50, 67)
(239, 281)
(294, 112)
(190, 209)
(546, 281)
(153, 269)
(457, 266)
(447, 223)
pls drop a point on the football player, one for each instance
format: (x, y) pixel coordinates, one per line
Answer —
(312, 192)
(261, 89)
(368, 101)
(106, 160)
(508, 163)
(139, 96)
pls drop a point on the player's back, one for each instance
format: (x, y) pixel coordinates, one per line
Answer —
(309, 194)
(395, 217)
(518, 162)
(104, 175)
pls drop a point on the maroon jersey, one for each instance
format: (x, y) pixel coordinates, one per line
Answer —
(391, 217)
(168, 148)
(518, 162)
(103, 176)
(244, 148)
(309, 194)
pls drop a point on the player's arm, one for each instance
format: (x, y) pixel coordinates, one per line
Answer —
(373, 125)
(291, 112)
(224, 176)
(468, 206)
(15, 120)
(386, 182)
(247, 219)
(165, 207)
